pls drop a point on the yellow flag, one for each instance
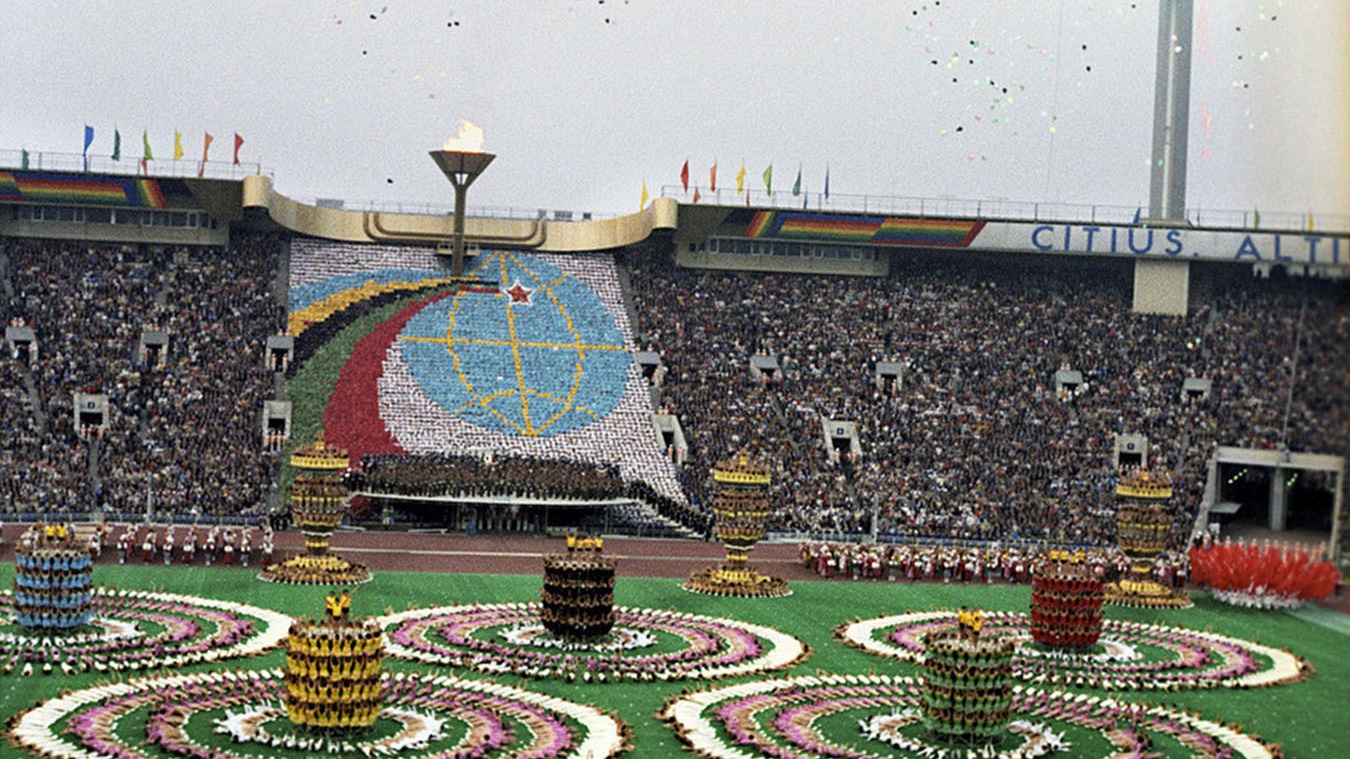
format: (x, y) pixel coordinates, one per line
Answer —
(643, 203)
(740, 179)
(177, 145)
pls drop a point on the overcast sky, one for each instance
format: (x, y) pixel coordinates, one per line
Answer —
(583, 101)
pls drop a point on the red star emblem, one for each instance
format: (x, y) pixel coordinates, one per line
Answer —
(519, 293)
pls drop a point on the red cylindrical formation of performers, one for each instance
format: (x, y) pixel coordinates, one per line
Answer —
(1066, 602)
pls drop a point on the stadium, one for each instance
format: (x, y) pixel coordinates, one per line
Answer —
(760, 447)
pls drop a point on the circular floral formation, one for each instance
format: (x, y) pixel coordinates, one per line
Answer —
(1132, 656)
(191, 715)
(1034, 740)
(133, 630)
(865, 716)
(415, 731)
(618, 639)
(689, 646)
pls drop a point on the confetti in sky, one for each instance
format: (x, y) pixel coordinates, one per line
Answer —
(1044, 100)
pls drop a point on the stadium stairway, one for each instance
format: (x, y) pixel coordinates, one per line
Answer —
(629, 301)
(4, 276)
(672, 528)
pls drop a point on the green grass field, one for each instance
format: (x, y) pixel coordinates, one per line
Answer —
(1310, 719)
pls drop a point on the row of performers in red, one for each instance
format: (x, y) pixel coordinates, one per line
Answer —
(869, 561)
(1052, 583)
(1082, 601)
(212, 544)
(1066, 619)
(1286, 570)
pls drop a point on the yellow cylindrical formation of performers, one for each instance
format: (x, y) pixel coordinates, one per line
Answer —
(1143, 524)
(742, 509)
(333, 669)
(318, 503)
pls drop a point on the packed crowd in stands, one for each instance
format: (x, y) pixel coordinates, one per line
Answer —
(182, 433)
(976, 441)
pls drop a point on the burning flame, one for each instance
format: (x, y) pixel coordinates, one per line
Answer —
(469, 139)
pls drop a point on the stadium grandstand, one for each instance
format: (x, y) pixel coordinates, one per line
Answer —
(924, 372)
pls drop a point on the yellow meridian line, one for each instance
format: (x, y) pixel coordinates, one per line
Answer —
(515, 356)
(576, 379)
(578, 372)
(449, 346)
(480, 401)
(522, 343)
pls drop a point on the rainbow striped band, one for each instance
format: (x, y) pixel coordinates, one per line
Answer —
(870, 230)
(61, 188)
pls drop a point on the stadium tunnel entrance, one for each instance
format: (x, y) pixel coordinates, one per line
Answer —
(1292, 492)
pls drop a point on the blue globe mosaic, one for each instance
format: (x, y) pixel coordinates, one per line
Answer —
(538, 358)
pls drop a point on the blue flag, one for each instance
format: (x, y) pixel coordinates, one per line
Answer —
(88, 140)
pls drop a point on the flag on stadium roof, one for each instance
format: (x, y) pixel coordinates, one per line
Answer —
(684, 175)
(146, 156)
(238, 143)
(117, 145)
(88, 140)
(177, 145)
(206, 151)
(768, 179)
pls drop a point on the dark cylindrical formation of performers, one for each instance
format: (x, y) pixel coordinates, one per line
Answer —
(578, 595)
(967, 684)
(52, 588)
(1066, 602)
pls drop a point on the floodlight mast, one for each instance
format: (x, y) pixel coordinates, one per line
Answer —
(461, 167)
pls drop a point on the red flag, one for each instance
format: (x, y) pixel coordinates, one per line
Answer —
(712, 178)
(697, 197)
(684, 176)
(238, 143)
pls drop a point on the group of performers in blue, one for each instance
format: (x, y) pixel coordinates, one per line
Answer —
(52, 581)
